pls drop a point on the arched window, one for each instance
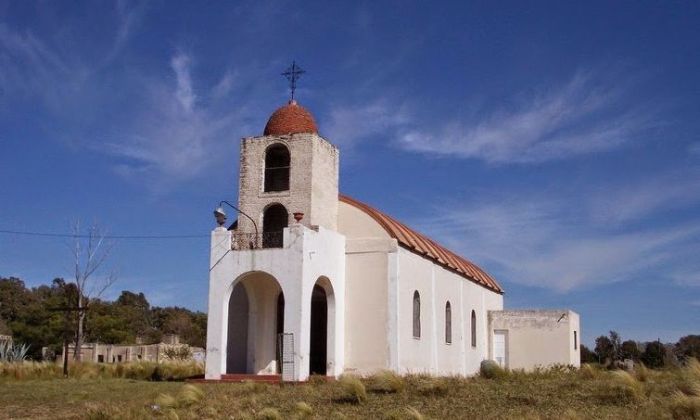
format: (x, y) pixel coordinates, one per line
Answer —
(275, 219)
(473, 328)
(448, 323)
(416, 314)
(277, 168)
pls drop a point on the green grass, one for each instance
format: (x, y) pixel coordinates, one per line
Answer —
(551, 394)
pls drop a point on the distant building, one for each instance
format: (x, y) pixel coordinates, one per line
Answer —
(169, 349)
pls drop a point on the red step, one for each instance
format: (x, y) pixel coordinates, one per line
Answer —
(242, 377)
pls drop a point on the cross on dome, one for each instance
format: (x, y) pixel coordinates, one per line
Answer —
(293, 73)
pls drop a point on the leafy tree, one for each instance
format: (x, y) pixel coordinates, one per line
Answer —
(630, 350)
(4, 329)
(604, 349)
(31, 316)
(615, 341)
(688, 346)
(653, 355)
(587, 356)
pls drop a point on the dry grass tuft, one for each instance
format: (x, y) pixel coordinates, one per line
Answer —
(387, 382)
(303, 410)
(429, 386)
(353, 390)
(627, 385)
(406, 413)
(682, 406)
(189, 395)
(149, 371)
(269, 413)
(166, 401)
(692, 366)
(641, 372)
(588, 371)
(253, 387)
(491, 370)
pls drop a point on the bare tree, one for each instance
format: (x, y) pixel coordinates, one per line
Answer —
(90, 250)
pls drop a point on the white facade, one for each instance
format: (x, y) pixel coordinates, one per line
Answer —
(355, 294)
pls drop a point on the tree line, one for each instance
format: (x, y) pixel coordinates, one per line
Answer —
(36, 316)
(610, 351)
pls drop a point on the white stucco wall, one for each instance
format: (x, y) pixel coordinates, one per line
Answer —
(368, 251)
(431, 354)
(306, 256)
(538, 337)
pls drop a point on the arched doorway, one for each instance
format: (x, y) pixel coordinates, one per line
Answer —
(237, 349)
(275, 219)
(280, 330)
(318, 349)
(253, 323)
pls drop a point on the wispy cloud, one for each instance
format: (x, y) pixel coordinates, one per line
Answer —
(184, 93)
(556, 242)
(347, 125)
(634, 201)
(168, 132)
(175, 135)
(583, 116)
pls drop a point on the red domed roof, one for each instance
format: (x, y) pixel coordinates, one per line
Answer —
(290, 119)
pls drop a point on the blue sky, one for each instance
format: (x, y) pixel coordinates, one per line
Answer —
(555, 144)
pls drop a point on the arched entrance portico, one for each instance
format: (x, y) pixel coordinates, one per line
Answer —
(322, 327)
(253, 323)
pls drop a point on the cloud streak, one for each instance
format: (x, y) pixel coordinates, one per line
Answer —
(560, 244)
(582, 117)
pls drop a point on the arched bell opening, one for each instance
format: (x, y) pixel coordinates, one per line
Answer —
(275, 219)
(277, 162)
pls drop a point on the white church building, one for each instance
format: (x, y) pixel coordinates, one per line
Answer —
(307, 281)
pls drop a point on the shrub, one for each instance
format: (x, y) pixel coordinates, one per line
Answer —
(353, 389)
(11, 352)
(269, 414)
(387, 382)
(491, 370)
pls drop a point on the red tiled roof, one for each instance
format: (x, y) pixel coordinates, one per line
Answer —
(290, 119)
(424, 246)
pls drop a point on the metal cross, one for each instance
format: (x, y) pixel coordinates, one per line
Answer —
(292, 74)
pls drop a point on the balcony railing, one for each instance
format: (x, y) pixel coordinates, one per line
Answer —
(243, 241)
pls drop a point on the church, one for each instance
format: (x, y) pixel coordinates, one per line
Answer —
(307, 281)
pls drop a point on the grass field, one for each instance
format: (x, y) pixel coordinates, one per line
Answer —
(555, 394)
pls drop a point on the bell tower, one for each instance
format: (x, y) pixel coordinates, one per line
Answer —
(289, 169)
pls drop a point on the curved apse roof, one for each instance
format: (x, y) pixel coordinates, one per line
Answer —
(426, 247)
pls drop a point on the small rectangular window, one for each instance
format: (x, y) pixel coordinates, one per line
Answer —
(100, 358)
(575, 341)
